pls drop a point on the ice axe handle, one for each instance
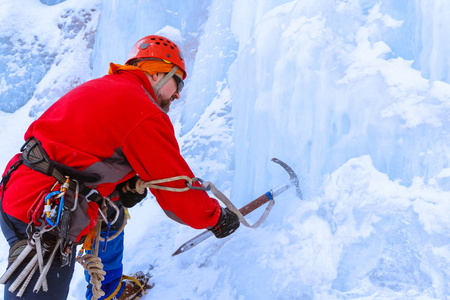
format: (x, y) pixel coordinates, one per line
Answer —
(256, 203)
(261, 200)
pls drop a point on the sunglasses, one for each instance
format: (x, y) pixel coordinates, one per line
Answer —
(180, 83)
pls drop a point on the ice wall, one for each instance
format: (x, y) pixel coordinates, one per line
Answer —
(351, 95)
(122, 24)
(317, 83)
(433, 41)
(44, 51)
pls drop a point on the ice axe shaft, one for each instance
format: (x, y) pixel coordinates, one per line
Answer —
(258, 202)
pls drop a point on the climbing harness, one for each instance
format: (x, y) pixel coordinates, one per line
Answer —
(50, 214)
(3, 183)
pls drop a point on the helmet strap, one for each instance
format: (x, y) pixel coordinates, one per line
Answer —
(164, 80)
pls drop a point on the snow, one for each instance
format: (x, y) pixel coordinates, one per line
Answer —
(353, 94)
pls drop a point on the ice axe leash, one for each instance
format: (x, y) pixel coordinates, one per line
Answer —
(263, 199)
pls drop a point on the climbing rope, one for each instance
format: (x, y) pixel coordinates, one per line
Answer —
(155, 184)
(92, 263)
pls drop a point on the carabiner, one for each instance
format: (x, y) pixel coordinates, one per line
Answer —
(200, 188)
(114, 206)
(47, 208)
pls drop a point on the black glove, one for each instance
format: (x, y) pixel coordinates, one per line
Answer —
(127, 193)
(228, 223)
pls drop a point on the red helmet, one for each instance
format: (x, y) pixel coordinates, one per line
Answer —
(155, 46)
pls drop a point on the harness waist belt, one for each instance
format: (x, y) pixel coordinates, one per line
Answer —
(35, 157)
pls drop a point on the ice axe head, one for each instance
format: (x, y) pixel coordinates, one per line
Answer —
(292, 175)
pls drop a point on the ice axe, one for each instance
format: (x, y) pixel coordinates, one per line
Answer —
(293, 181)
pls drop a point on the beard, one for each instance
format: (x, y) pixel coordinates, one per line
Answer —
(164, 103)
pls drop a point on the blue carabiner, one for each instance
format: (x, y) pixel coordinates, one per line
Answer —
(61, 204)
(49, 195)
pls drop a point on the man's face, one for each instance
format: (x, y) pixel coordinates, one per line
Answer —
(167, 93)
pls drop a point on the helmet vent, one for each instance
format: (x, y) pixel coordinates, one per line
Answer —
(144, 46)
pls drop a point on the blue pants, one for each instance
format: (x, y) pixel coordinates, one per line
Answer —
(112, 265)
(58, 277)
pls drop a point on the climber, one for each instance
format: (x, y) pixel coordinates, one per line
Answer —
(83, 160)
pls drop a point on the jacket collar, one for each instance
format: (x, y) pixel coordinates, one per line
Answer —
(143, 80)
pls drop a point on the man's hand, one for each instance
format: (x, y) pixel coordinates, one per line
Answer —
(127, 192)
(228, 223)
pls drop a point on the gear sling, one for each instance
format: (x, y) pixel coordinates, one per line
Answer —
(60, 213)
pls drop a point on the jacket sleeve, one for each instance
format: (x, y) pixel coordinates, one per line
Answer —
(153, 152)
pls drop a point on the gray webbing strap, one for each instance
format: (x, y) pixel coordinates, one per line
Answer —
(34, 158)
(165, 79)
(234, 209)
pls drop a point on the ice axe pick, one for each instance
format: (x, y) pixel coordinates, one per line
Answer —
(293, 182)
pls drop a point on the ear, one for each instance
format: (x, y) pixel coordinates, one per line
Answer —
(153, 78)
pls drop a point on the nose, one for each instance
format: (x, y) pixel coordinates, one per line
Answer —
(176, 95)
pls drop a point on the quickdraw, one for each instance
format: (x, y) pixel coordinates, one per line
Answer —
(36, 210)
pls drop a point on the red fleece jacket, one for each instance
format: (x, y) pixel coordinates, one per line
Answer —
(110, 126)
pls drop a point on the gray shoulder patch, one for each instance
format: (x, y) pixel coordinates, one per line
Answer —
(111, 169)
